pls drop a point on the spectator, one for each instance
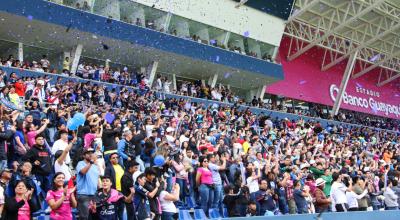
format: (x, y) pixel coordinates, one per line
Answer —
(40, 157)
(390, 197)
(141, 201)
(205, 184)
(5, 136)
(153, 184)
(33, 132)
(60, 163)
(264, 198)
(181, 175)
(300, 198)
(127, 184)
(115, 171)
(322, 202)
(61, 199)
(169, 210)
(20, 206)
(126, 150)
(87, 181)
(338, 192)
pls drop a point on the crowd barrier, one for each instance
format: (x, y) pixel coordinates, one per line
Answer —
(206, 102)
(375, 215)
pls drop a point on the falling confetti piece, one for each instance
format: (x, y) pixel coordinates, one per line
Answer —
(94, 36)
(212, 41)
(246, 33)
(302, 82)
(217, 59)
(359, 85)
(226, 75)
(30, 17)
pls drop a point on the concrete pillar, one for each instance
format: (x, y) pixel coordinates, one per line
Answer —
(152, 73)
(214, 80)
(275, 53)
(174, 82)
(226, 39)
(167, 22)
(203, 82)
(228, 86)
(107, 63)
(143, 70)
(262, 92)
(21, 52)
(77, 55)
(343, 84)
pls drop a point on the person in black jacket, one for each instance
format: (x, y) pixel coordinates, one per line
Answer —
(40, 157)
(126, 185)
(21, 205)
(4, 137)
(108, 138)
(150, 185)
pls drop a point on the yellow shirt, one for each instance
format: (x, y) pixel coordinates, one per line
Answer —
(119, 172)
(66, 65)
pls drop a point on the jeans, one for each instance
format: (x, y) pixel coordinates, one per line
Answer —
(392, 208)
(83, 206)
(183, 186)
(141, 163)
(45, 183)
(167, 216)
(218, 195)
(52, 132)
(206, 197)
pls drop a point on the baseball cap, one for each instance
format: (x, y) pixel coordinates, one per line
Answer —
(88, 150)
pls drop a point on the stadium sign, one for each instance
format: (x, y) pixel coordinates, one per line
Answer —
(370, 103)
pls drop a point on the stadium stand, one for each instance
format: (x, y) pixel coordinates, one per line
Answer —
(103, 142)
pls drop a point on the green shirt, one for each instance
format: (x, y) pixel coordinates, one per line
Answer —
(328, 185)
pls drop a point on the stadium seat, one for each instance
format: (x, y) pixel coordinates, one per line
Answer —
(184, 215)
(214, 213)
(190, 201)
(199, 214)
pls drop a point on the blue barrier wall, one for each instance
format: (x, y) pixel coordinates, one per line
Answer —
(375, 215)
(68, 17)
(273, 114)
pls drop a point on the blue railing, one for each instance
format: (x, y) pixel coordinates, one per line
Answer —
(271, 113)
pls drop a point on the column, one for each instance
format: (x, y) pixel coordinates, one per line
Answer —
(274, 53)
(21, 52)
(152, 72)
(167, 22)
(343, 84)
(77, 55)
(262, 92)
(174, 82)
(226, 39)
(214, 80)
(182, 29)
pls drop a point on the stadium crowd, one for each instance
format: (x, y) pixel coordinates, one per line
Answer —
(137, 78)
(154, 156)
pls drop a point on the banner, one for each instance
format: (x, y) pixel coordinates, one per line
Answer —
(304, 80)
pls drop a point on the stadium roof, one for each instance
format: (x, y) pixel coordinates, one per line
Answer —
(342, 27)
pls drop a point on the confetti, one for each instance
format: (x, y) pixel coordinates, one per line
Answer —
(359, 85)
(246, 34)
(217, 59)
(302, 82)
(30, 17)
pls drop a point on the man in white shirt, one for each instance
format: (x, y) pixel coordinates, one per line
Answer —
(61, 144)
(338, 192)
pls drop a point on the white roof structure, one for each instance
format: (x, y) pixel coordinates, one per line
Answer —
(369, 29)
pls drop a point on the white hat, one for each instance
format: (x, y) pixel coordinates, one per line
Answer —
(304, 165)
(53, 90)
(366, 169)
(41, 82)
(320, 182)
(170, 129)
(312, 162)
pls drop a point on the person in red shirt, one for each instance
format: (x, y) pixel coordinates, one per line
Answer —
(20, 87)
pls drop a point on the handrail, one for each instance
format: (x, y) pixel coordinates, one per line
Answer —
(255, 110)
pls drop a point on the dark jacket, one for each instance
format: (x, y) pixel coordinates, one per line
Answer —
(11, 208)
(109, 171)
(136, 140)
(4, 136)
(126, 184)
(108, 138)
(43, 156)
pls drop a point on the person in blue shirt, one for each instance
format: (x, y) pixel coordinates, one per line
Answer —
(87, 180)
(300, 197)
(265, 199)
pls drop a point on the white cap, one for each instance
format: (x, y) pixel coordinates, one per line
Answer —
(170, 129)
(304, 165)
(312, 162)
(41, 82)
(320, 182)
(53, 90)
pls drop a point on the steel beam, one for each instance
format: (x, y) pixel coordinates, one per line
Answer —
(390, 79)
(361, 46)
(343, 84)
(366, 70)
(360, 12)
